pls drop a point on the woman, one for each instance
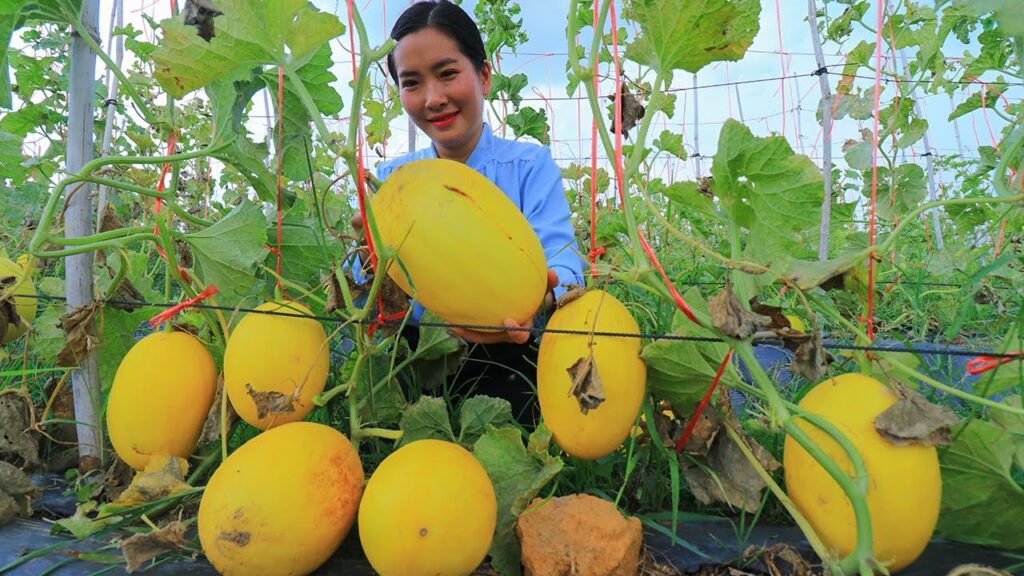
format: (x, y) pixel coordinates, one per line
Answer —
(440, 67)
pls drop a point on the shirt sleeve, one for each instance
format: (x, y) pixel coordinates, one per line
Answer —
(547, 210)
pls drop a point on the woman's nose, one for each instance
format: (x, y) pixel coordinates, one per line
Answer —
(436, 97)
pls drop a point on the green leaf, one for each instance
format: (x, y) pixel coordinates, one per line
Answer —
(508, 86)
(772, 192)
(10, 156)
(13, 14)
(531, 122)
(681, 371)
(479, 412)
(898, 192)
(974, 102)
(859, 155)
(427, 418)
(1009, 375)
(317, 78)
(438, 353)
(1009, 14)
(385, 404)
(518, 473)
(250, 33)
(227, 253)
(912, 132)
(981, 502)
(686, 195)
(117, 332)
(672, 143)
(305, 251)
(689, 35)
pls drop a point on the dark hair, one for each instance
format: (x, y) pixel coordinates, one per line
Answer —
(447, 18)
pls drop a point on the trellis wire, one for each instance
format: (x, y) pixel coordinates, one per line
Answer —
(826, 342)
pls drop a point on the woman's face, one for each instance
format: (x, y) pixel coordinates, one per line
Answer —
(441, 91)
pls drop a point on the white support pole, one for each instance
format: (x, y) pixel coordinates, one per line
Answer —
(77, 223)
(696, 130)
(739, 103)
(956, 128)
(112, 83)
(929, 153)
(826, 126)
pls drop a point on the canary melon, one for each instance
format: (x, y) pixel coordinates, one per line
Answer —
(470, 255)
(615, 360)
(161, 395)
(429, 510)
(904, 483)
(23, 292)
(275, 363)
(282, 503)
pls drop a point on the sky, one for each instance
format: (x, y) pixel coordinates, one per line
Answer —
(758, 100)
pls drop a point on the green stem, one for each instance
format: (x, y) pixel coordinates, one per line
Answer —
(950, 389)
(386, 433)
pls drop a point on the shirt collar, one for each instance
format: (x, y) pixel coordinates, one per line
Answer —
(480, 153)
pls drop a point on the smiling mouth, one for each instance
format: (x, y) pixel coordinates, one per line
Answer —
(443, 120)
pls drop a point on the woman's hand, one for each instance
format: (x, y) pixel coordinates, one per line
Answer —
(514, 335)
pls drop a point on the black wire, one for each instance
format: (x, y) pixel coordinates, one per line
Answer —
(827, 343)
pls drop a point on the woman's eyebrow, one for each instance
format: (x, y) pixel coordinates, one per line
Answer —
(439, 65)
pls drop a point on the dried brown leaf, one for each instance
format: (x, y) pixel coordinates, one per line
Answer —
(18, 445)
(142, 548)
(200, 13)
(272, 402)
(977, 570)
(731, 318)
(16, 493)
(129, 299)
(117, 479)
(631, 112)
(704, 433)
(572, 292)
(164, 476)
(725, 475)
(779, 559)
(586, 383)
(8, 312)
(335, 299)
(915, 420)
(811, 360)
(80, 334)
(212, 425)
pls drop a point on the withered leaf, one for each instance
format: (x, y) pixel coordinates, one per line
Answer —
(811, 360)
(200, 13)
(272, 402)
(586, 383)
(725, 475)
(704, 433)
(212, 425)
(80, 334)
(129, 298)
(915, 420)
(16, 493)
(779, 559)
(731, 318)
(356, 289)
(164, 476)
(142, 548)
(631, 112)
(335, 300)
(117, 479)
(8, 312)
(110, 221)
(18, 445)
(573, 291)
(977, 570)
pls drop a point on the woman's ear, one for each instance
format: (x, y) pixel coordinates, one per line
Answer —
(485, 78)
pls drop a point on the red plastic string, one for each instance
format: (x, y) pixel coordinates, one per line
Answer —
(870, 320)
(280, 167)
(782, 64)
(172, 311)
(594, 253)
(676, 297)
(983, 364)
(172, 142)
(703, 404)
(618, 108)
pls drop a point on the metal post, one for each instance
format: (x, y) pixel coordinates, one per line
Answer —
(956, 128)
(112, 82)
(929, 154)
(77, 223)
(696, 129)
(739, 103)
(826, 126)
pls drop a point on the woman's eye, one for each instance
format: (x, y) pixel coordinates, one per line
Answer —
(409, 84)
(448, 73)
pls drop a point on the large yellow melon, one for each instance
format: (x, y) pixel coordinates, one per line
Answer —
(471, 254)
(904, 484)
(618, 365)
(161, 395)
(429, 509)
(282, 503)
(281, 354)
(23, 293)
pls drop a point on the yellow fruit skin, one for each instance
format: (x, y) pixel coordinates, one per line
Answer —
(429, 509)
(282, 503)
(276, 353)
(472, 255)
(26, 307)
(161, 395)
(621, 370)
(904, 484)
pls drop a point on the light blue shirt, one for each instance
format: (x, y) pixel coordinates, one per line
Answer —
(528, 175)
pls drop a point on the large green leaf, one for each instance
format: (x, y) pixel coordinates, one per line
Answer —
(770, 191)
(250, 33)
(226, 254)
(681, 371)
(518, 473)
(478, 413)
(981, 501)
(898, 192)
(689, 35)
(1008, 13)
(427, 418)
(305, 251)
(317, 78)
(1010, 375)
